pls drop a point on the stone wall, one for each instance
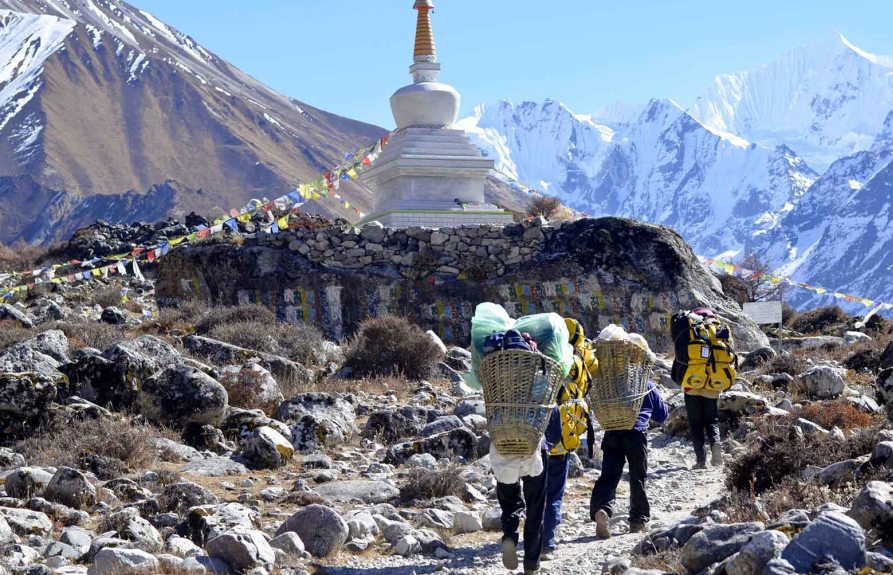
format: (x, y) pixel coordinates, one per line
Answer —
(606, 270)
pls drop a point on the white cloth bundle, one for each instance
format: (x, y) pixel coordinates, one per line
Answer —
(615, 332)
(510, 469)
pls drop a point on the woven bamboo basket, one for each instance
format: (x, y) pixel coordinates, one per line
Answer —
(620, 383)
(519, 392)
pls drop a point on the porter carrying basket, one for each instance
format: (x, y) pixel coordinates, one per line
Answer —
(519, 393)
(620, 384)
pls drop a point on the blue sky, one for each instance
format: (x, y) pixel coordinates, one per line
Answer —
(348, 56)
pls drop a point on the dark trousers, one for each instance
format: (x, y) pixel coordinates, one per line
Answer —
(702, 421)
(619, 448)
(513, 506)
(556, 480)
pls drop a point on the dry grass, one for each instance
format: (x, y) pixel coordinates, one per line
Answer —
(12, 332)
(390, 345)
(122, 445)
(108, 297)
(791, 363)
(424, 484)
(669, 561)
(21, 257)
(840, 413)
(545, 206)
(95, 334)
(822, 321)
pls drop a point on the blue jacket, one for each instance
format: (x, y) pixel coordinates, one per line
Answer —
(653, 407)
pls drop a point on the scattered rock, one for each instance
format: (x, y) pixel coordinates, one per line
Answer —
(242, 549)
(179, 395)
(833, 534)
(27, 482)
(181, 496)
(266, 448)
(70, 487)
(321, 529)
(873, 509)
(289, 543)
(114, 315)
(762, 548)
(318, 420)
(117, 561)
(822, 381)
(716, 543)
(364, 491)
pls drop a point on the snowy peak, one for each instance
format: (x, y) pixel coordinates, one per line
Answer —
(825, 101)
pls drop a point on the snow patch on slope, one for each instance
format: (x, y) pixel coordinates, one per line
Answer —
(26, 41)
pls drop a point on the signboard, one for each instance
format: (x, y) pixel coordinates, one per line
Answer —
(764, 312)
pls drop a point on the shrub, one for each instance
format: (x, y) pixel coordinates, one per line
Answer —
(215, 316)
(830, 414)
(122, 445)
(424, 484)
(107, 297)
(21, 257)
(250, 334)
(776, 452)
(391, 345)
(301, 342)
(821, 321)
(85, 333)
(12, 332)
(789, 363)
(545, 206)
(667, 561)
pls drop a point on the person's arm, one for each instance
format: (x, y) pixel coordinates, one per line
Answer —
(660, 411)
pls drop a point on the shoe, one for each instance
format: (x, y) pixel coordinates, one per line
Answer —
(602, 529)
(534, 571)
(716, 455)
(636, 527)
(548, 554)
(700, 465)
(509, 553)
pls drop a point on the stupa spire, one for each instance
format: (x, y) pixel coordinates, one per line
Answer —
(425, 50)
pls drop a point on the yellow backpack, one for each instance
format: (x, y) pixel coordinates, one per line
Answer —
(571, 400)
(705, 356)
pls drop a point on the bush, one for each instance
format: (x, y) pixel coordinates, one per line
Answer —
(825, 320)
(545, 206)
(122, 445)
(390, 345)
(12, 332)
(777, 452)
(108, 297)
(212, 317)
(250, 334)
(830, 414)
(94, 334)
(789, 363)
(424, 484)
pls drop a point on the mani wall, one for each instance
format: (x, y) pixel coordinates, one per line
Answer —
(601, 271)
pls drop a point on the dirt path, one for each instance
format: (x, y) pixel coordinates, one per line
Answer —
(674, 492)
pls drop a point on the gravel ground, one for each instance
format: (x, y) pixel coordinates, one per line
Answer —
(674, 492)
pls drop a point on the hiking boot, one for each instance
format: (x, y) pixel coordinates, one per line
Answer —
(700, 465)
(636, 527)
(716, 455)
(548, 554)
(509, 553)
(602, 529)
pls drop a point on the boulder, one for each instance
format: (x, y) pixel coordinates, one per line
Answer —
(391, 425)
(318, 420)
(864, 404)
(179, 395)
(114, 316)
(361, 525)
(443, 424)
(459, 359)
(70, 487)
(467, 522)
(119, 561)
(53, 343)
(208, 521)
(471, 407)
(10, 459)
(738, 401)
(78, 538)
(131, 527)
(214, 467)
(225, 353)
(26, 395)
(266, 448)
(180, 497)
(240, 423)
(181, 547)
(822, 381)
(853, 337)
(242, 549)
(716, 543)
(756, 553)
(872, 509)
(435, 519)
(756, 358)
(840, 473)
(456, 443)
(25, 523)
(27, 482)
(321, 529)
(289, 543)
(12, 313)
(833, 535)
(173, 451)
(251, 385)
(364, 491)
(884, 385)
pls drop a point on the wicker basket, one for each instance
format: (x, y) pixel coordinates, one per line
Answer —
(519, 392)
(620, 384)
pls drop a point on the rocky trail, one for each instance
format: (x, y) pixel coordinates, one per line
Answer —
(674, 490)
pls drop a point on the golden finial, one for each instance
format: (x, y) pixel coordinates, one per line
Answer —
(424, 34)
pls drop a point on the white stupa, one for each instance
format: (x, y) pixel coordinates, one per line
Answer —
(429, 175)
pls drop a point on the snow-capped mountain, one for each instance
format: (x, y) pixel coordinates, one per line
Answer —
(664, 167)
(824, 101)
(736, 172)
(98, 98)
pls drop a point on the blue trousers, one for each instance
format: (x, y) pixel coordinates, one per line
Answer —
(556, 480)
